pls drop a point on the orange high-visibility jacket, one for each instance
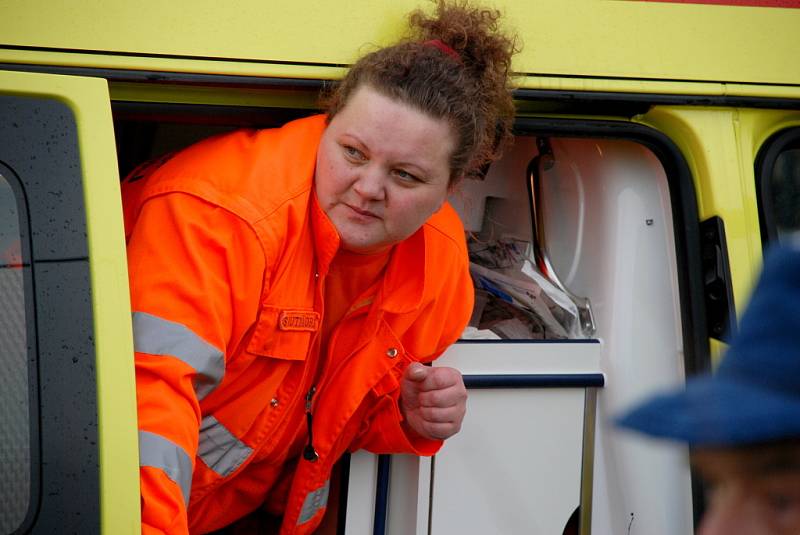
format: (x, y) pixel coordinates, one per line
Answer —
(228, 251)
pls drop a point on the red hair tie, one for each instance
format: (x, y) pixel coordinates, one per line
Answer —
(444, 48)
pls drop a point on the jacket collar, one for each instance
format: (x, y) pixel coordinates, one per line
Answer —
(326, 237)
(404, 282)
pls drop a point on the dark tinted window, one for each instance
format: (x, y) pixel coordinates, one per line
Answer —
(778, 172)
(785, 190)
(15, 432)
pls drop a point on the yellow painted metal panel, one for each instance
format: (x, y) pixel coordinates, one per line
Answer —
(180, 65)
(552, 83)
(595, 38)
(315, 72)
(119, 473)
(229, 96)
(707, 139)
(720, 146)
(752, 129)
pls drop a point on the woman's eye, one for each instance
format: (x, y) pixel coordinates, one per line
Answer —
(353, 153)
(406, 176)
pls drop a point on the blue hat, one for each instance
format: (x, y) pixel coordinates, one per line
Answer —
(755, 394)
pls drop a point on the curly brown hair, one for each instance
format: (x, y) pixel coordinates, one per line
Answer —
(469, 88)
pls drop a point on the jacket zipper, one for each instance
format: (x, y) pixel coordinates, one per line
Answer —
(309, 453)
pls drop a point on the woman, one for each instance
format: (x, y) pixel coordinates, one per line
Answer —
(287, 283)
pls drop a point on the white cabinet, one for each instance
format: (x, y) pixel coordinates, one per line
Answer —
(517, 466)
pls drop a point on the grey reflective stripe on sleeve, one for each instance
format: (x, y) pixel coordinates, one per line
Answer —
(315, 500)
(157, 336)
(219, 448)
(159, 452)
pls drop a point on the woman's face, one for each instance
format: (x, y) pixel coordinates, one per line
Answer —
(382, 170)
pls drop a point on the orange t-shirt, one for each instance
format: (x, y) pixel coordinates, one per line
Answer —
(350, 275)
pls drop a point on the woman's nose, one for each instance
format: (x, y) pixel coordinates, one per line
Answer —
(369, 183)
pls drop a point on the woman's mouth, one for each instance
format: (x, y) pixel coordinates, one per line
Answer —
(363, 213)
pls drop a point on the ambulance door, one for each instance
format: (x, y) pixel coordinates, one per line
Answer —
(68, 459)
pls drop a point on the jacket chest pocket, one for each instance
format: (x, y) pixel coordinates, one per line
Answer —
(284, 332)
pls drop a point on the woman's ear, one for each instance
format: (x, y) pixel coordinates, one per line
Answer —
(454, 182)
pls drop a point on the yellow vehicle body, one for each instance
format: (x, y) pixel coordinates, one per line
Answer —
(717, 80)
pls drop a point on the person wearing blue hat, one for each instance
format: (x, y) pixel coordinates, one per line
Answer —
(743, 422)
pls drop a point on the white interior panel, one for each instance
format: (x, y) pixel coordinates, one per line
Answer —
(536, 357)
(498, 204)
(610, 236)
(515, 466)
(361, 492)
(409, 495)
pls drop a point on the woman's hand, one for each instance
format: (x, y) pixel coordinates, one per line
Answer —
(433, 400)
